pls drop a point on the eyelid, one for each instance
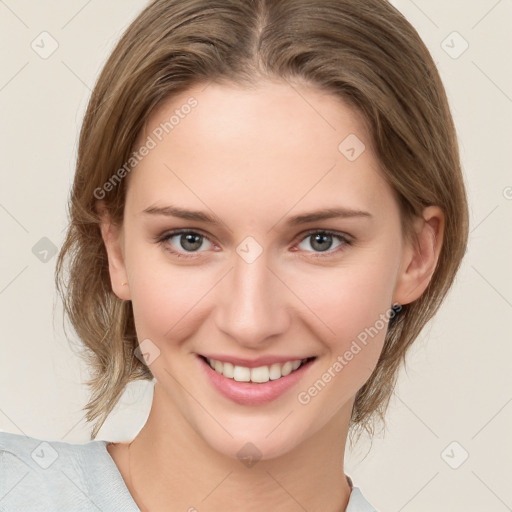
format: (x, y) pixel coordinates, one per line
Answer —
(345, 238)
(332, 232)
(164, 237)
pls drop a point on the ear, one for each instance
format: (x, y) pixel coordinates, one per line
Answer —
(421, 254)
(113, 238)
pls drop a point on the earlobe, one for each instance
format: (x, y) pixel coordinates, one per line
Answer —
(112, 235)
(421, 255)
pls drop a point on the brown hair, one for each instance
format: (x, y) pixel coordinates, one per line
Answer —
(364, 52)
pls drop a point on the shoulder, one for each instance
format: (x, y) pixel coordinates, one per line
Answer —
(37, 474)
(357, 502)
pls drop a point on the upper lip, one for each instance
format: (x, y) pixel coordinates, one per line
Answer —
(254, 363)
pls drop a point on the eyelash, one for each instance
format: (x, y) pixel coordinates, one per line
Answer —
(343, 238)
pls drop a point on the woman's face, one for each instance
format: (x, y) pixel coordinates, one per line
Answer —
(259, 233)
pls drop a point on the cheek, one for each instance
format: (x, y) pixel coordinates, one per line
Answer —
(355, 305)
(168, 308)
(348, 299)
(166, 298)
(352, 304)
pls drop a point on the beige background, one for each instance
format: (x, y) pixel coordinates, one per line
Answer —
(455, 397)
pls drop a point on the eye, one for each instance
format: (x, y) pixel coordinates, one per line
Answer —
(322, 241)
(184, 241)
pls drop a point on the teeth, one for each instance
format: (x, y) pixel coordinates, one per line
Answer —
(275, 371)
(228, 370)
(260, 374)
(242, 374)
(286, 369)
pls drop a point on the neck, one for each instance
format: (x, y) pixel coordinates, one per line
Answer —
(171, 468)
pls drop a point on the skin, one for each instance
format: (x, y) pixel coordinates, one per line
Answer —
(253, 158)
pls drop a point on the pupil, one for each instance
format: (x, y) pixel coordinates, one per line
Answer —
(322, 242)
(190, 241)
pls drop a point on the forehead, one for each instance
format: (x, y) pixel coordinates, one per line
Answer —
(268, 146)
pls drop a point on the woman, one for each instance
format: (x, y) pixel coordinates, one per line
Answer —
(267, 208)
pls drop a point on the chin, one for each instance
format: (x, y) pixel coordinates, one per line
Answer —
(251, 449)
(256, 438)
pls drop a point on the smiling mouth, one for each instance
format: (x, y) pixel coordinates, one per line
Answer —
(260, 374)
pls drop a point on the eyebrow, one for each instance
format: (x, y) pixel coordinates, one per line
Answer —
(304, 218)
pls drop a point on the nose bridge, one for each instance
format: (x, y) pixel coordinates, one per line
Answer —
(251, 304)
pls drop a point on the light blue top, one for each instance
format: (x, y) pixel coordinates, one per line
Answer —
(44, 476)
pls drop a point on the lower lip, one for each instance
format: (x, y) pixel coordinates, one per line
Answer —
(253, 393)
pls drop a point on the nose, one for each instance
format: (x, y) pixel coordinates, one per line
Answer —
(251, 304)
